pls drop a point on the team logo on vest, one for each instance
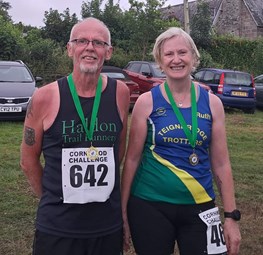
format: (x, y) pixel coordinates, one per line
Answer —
(160, 111)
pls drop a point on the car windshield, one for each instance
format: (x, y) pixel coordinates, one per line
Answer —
(158, 72)
(14, 74)
(240, 79)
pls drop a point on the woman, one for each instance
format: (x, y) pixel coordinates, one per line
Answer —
(177, 144)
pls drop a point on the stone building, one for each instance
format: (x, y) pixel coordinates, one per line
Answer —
(242, 18)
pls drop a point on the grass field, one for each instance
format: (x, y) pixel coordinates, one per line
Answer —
(245, 141)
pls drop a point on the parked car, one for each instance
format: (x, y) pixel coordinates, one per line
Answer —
(235, 89)
(259, 90)
(118, 74)
(17, 85)
(203, 85)
(148, 74)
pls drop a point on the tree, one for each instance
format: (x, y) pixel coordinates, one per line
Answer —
(201, 25)
(91, 9)
(58, 25)
(113, 17)
(186, 17)
(4, 8)
(144, 22)
(11, 40)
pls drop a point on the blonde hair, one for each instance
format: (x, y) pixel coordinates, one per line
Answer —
(170, 33)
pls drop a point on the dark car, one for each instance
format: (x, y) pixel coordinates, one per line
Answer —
(235, 89)
(118, 74)
(259, 90)
(17, 85)
(148, 74)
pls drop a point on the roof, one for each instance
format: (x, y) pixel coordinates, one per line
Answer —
(11, 63)
(111, 69)
(221, 70)
(255, 8)
(141, 61)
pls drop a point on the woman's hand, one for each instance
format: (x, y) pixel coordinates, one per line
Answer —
(232, 236)
(126, 233)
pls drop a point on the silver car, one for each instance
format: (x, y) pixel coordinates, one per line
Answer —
(17, 84)
(259, 90)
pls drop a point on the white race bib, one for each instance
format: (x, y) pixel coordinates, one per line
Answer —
(215, 237)
(87, 179)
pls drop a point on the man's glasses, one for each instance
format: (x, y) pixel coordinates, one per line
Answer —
(84, 42)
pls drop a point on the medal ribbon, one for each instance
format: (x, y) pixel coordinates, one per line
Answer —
(95, 107)
(191, 136)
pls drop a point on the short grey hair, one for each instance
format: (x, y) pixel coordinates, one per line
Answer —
(170, 33)
(92, 19)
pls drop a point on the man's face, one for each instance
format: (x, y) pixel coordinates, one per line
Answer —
(88, 47)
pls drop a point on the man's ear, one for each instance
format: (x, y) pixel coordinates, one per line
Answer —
(109, 53)
(69, 50)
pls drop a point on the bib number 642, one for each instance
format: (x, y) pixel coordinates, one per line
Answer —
(93, 175)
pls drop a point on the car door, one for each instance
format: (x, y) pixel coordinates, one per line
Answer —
(259, 90)
(145, 77)
(133, 70)
(208, 77)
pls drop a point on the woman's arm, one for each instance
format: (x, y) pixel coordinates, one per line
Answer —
(221, 167)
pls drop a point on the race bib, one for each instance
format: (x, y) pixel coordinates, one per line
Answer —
(87, 176)
(215, 237)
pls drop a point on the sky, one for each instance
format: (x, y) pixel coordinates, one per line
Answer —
(31, 12)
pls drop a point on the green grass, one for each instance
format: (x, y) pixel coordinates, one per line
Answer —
(17, 203)
(245, 141)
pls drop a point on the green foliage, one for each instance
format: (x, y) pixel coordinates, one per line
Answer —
(133, 35)
(91, 9)
(233, 53)
(120, 58)
(113, 17)
(206, 59)
(58, 25)
(4, 8)
(201, 25)
(145, 23)
(11, 41)
(258, 58)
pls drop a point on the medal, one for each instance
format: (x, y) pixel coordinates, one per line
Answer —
(92, 153)
(193, 159)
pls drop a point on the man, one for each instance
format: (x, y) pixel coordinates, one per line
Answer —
(79, 123)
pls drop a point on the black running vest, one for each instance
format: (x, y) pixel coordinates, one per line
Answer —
(79, 220)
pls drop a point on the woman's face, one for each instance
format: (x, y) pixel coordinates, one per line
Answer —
(177, 59)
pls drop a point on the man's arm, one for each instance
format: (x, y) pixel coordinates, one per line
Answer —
(40, 115)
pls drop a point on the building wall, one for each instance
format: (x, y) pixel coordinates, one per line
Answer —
(233, 17)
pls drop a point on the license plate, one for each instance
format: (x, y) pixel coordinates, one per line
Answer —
(239, 93)
(10, 109)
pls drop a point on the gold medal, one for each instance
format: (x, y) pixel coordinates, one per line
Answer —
(92, 153)
(193, 159)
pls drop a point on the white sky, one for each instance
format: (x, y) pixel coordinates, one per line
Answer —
(31, 12)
